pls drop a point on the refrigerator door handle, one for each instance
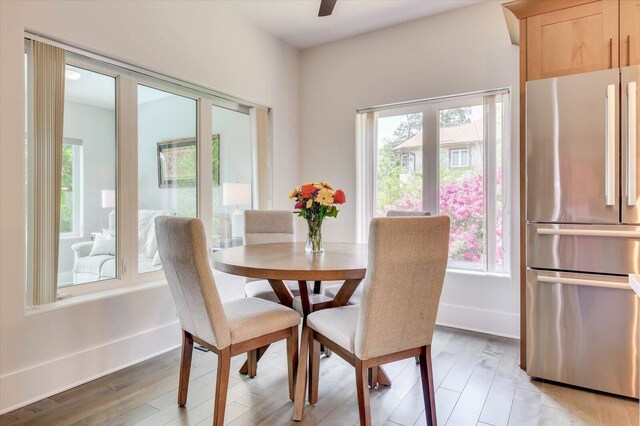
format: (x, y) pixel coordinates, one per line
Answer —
(632, 144)
(588, 232)
(610, 147)
(584, 282)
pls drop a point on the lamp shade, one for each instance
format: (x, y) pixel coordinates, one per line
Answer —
(108, 199)
(236, 194)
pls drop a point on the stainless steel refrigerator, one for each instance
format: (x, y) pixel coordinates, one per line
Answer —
(583, 229)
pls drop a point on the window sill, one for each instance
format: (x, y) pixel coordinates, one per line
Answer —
(478, 273)
(78, 299)
(71, 236)
(92, 297)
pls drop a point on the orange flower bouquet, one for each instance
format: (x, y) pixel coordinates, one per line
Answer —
(314, 202)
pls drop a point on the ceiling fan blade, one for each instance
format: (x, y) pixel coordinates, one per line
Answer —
(326, 7)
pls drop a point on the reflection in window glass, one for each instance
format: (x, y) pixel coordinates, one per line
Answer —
(232, 175)
(87, 250)
(167, 166)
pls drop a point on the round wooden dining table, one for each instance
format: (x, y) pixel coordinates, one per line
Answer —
(277, 262)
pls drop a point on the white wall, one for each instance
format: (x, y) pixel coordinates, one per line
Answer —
(44, 352)
(461, 51)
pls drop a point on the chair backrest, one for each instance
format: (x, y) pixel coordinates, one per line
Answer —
(268, 226)
(183, 250)
(405, 213)
(401, 290)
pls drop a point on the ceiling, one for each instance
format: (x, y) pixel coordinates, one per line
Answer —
(296, 22)
(99, 90)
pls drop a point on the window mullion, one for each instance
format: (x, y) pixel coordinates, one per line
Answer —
(204, 152)
(430, 160)
(127, 149)
(490, 179)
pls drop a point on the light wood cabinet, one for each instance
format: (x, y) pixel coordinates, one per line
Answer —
(629, 32)
(573, 40)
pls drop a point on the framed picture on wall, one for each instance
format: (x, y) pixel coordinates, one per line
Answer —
(177, 162)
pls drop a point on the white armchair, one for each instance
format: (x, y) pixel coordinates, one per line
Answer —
(94, 265)
(88, 268)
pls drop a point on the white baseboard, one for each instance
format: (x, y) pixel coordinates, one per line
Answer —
(479, 320)
(22, 387)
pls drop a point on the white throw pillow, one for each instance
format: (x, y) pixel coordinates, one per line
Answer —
(103, 245)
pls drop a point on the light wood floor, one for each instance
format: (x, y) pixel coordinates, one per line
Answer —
(477, 378)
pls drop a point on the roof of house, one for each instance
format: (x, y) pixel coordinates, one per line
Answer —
(465, 133)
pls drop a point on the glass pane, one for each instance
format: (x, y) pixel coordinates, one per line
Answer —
(399, 161)
(167, 166)
(87, 250)
(461, 144)
(499, 186)
(232, 175)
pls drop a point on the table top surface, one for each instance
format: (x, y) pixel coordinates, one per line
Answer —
(289, 261)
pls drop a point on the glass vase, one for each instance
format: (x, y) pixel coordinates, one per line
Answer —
(314, 237)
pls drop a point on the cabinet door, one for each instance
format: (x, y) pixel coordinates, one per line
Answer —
(629, 32)
(574, 40)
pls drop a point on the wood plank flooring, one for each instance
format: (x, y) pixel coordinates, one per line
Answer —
(477, 381)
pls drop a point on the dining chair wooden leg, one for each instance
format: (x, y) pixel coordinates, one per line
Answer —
(252, 363)
(301, 375)
(383, 379)
(363, 393)
(245, 367)
(222, 384)
(373, 377)
(185, 368)
(292, 360)
(314, 368)
(426, 373)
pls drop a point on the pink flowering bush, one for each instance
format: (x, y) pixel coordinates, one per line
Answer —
(406, 203)
(463, 201)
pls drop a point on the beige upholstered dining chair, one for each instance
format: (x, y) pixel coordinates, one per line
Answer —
(356, 298)
(396, 319)
(228, 329)
(263, 227)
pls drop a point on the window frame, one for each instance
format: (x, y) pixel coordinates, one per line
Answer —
(366, 149)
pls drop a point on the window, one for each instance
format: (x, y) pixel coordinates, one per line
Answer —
(444, 156)
(459, 158)
(88, 168)
(398, 182)
(167, 166)
(233, 155)
(408, 162)
(124, 166)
